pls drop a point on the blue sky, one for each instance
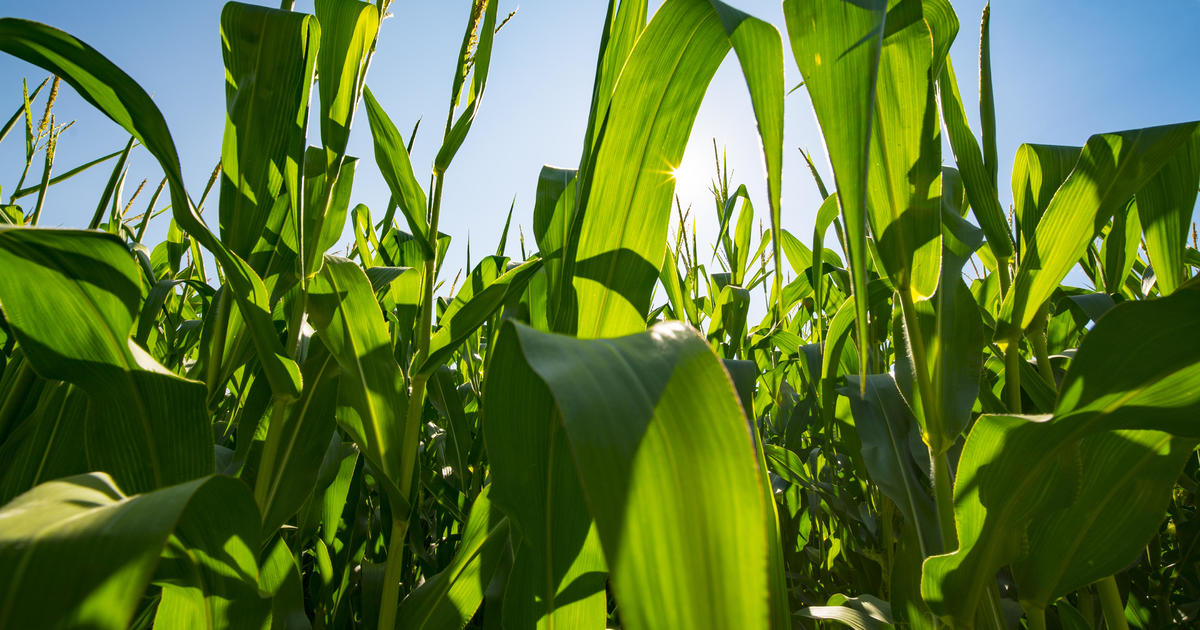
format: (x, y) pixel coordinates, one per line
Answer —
(1063, 70)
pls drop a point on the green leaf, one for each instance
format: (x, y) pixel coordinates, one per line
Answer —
(558, 573)
(904, 189)
(324, 224)
(987, 98)
(51, 441)
(296, 442)
(450, 598)
(887, 428)
(729, 317)
(623, 25)
(65, 176)
(480, 33)
(1165, 207)
(1038, 171)
(1126, 487)
(1120, 247)
(348, 31)
(488, 288)
(617, 244)
(1111, 168)
(978, 175)
(205, 530)
(349, 322)
(1017, 472)
(861, 613)
(270, 56)
(659, 444)
(837, 47)
(70, 300)
(394, 165)
(120, 98)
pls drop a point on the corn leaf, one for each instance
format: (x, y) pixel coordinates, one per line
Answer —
(394, 165)
(1018, 470)
(348, 321)
(904, 187)
(671, 451)
(1165, 207)
(120, 98)
(296, 442)
(1111, 168)
(450, 598)
(205, 531)
(490, 286)
(837, 47)
(70, 298)
(1038, 171)
(977, 178)
(348, 30)
(613, 271)
(270, 56)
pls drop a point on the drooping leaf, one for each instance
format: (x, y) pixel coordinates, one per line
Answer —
(613, 271)
(119, 97)
(1016, 472)
(70, 298)
(671, 451)
(349, 322)
(205, 530)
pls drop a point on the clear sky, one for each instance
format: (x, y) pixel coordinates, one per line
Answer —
(1063, 69)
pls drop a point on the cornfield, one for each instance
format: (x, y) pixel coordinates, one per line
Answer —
(929, 427)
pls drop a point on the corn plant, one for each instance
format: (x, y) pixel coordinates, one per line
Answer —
(929, 427)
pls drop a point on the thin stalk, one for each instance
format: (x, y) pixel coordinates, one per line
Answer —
(943, 489)
(1038, 341)
(1003, 270)
(217, 347)
(1012, 374)
(41, 198)
(942, 483)
(390, 603)
(1110, 603)
(416, 403)
(141, 232)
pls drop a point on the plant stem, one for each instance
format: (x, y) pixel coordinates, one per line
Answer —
(390, 602)
(1110, 604)
(1002, 269)
(41, 198)
(1038, 341)
(412, 422)
(928, 407)
(930, 412)
(943, 489)
(1012, 374)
